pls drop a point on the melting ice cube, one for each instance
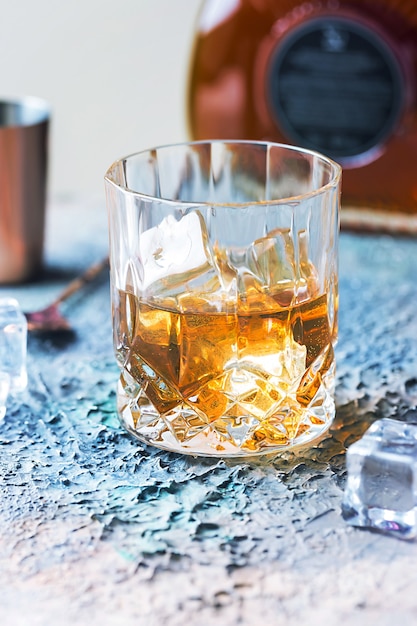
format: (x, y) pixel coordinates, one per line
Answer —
(381, 484)
(4, 392)
(271, 259)
(280, 266)
(177, 258)
(13, 336)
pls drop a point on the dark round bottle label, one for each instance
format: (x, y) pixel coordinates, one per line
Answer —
(335, 86)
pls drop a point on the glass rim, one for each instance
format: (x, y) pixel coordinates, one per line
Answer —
(335, 178)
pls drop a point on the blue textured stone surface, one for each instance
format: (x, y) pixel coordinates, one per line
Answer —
(96, 527)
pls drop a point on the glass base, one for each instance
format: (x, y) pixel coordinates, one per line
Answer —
(185, 432)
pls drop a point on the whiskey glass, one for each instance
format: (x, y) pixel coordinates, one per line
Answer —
(224, 289)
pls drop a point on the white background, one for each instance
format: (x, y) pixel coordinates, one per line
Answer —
(114, 71)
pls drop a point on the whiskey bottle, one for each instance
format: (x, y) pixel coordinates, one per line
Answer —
(336, 76)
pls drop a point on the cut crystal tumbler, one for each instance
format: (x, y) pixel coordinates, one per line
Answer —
(223, 261)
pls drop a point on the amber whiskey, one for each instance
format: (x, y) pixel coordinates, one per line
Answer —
(337, 76)
(256, 378)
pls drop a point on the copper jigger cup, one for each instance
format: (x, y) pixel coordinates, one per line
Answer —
(23, 171)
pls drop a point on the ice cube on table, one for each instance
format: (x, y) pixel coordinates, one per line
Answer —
(381, 488)
(4, 392)
(13, 344)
